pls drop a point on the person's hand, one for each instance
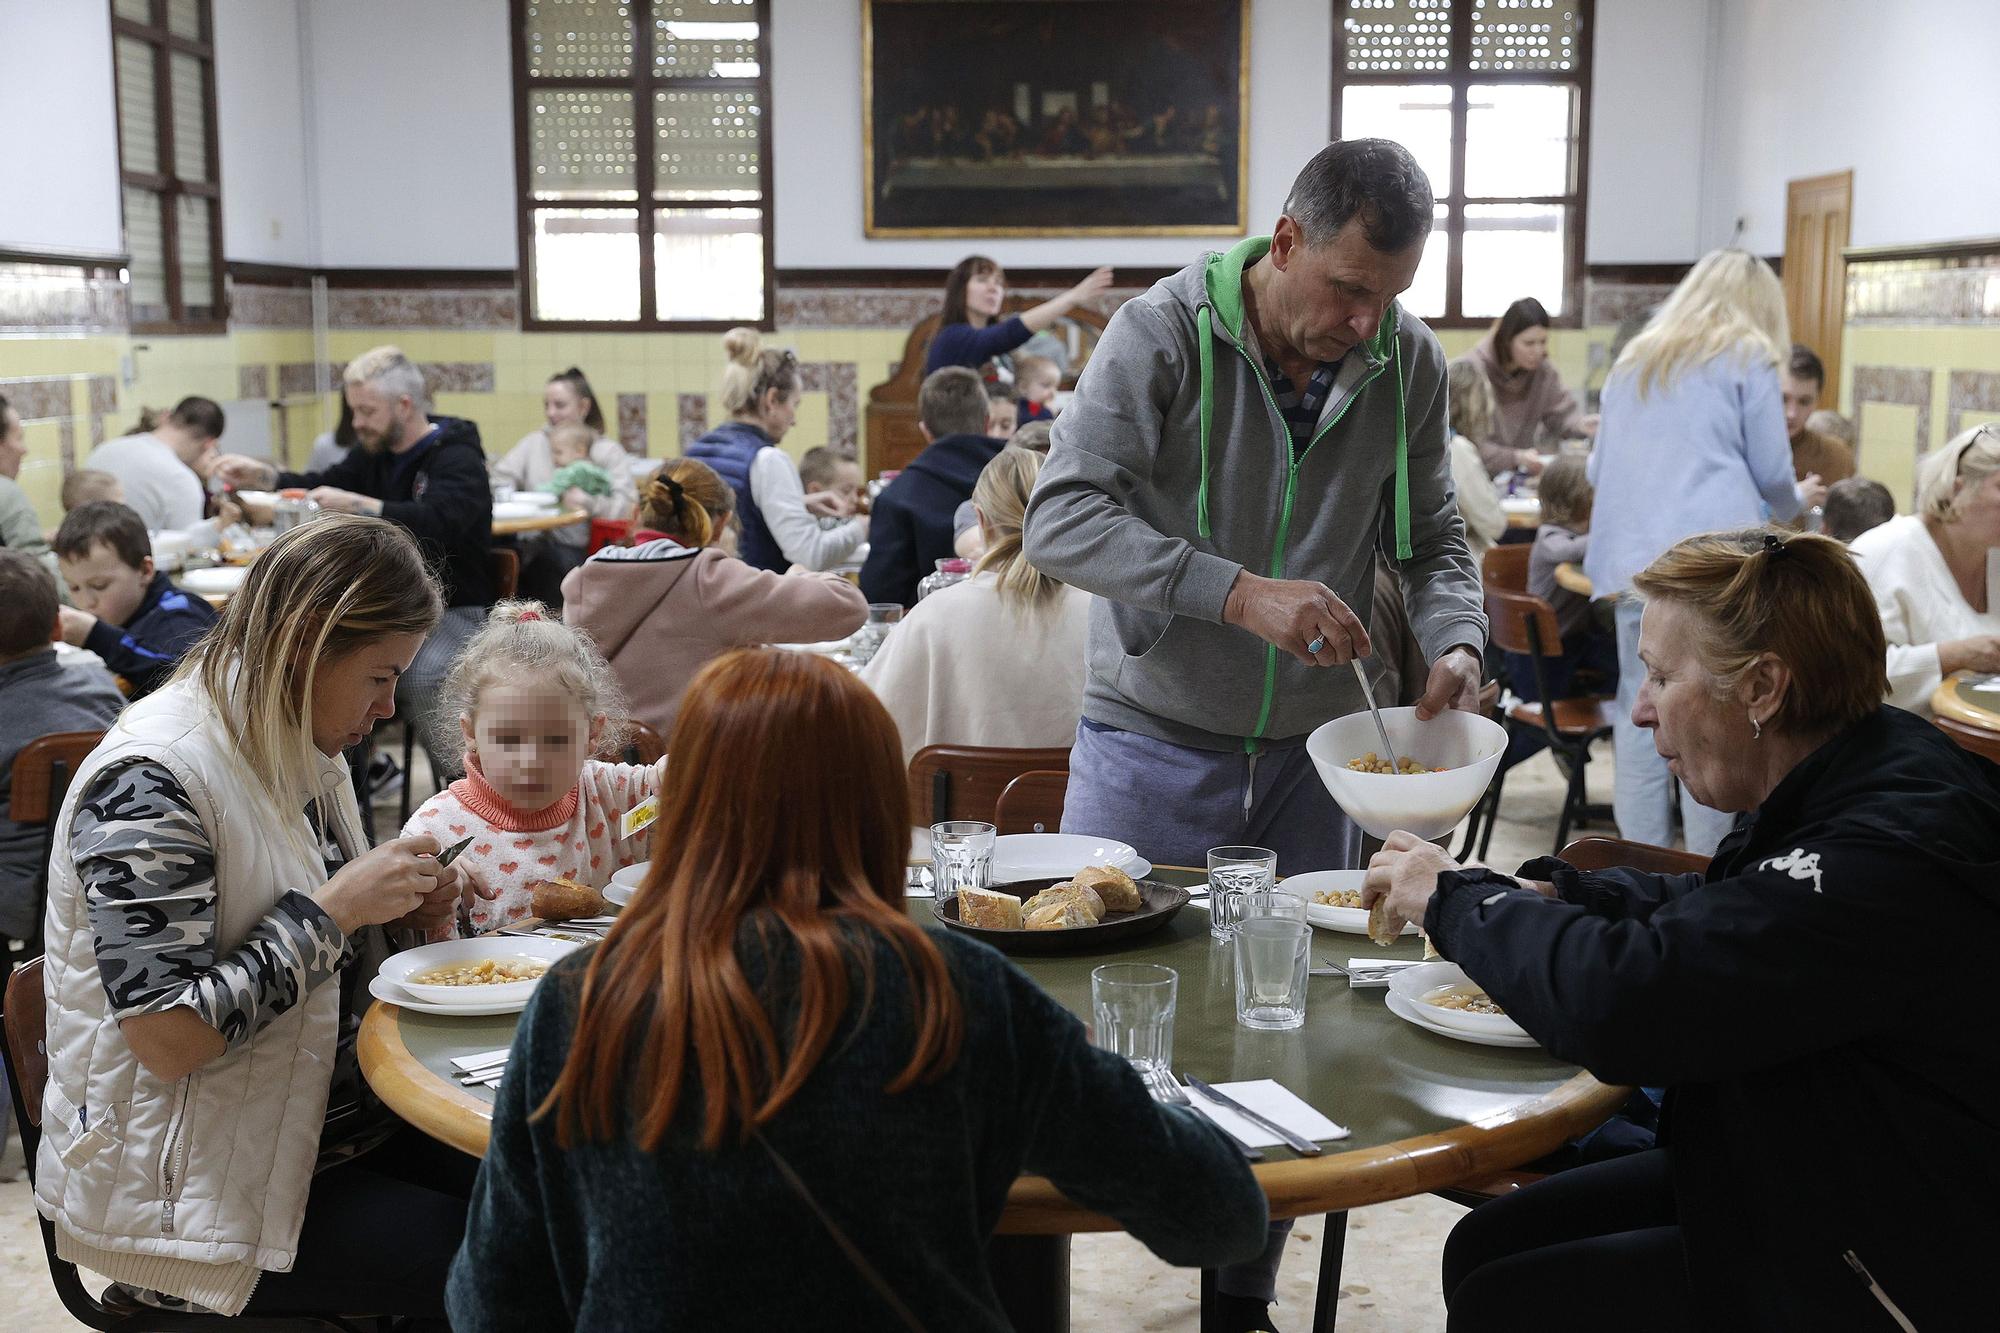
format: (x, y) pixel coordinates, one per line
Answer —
(343, 502)
(245, 473)
(1093, 286)
(1981, 652)
(1406, 872)
(1588, 424)
(1295, 614)
(76, 625)
(828, 504)
(385, 884)
(1453, 683)
(575, 498)
(1812, 491)
(1528, 461)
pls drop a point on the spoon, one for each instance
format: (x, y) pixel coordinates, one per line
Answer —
(1376, 713)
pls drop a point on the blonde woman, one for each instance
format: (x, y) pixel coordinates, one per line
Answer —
(1936, 573)
(780, 527)
(1691, 439)
(998, 659)
(214, 917)
(1473, 410)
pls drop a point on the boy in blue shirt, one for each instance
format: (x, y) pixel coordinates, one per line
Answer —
(125, 611)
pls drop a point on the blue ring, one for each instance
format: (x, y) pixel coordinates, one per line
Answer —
(1316, 644)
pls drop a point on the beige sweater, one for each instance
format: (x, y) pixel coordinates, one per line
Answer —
(1530, 402)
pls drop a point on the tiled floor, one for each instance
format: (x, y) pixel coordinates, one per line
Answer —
(1389, 1275)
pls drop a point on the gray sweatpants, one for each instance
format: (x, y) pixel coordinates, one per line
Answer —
(417, 692)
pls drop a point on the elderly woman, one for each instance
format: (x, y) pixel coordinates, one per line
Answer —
(1936, 573)
(1832, 1135)
(214, 917)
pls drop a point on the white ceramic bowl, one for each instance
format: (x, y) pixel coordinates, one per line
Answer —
(399, 968)
(1415, 983)
(626, 882)
(1466, 746)
(1018, 856)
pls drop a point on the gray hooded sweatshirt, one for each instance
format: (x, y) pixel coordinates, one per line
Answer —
(1171, 470)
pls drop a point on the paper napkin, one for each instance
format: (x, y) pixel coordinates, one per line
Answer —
(1273, 1100)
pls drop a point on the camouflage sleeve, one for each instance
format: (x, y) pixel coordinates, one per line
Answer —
(148, 875)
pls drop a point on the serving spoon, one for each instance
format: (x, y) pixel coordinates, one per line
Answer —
(1395, 764)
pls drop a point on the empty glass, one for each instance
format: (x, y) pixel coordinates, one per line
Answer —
(867, 640)
(1273, 951)
(1132, 1011)
(961, 857)
(1233, 871)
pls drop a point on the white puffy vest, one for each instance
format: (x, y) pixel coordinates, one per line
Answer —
(191, 1188)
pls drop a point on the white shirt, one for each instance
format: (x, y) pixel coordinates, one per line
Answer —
(1478, 501)
(1921, 605)
(781, 498)
(164, 491)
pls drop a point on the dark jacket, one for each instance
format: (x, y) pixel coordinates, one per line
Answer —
(40, 695)
(441, 496)
(146, 649)
(1818, 1006)
(963, 345)
(730, 449)
(911, 527)
(603, 1235)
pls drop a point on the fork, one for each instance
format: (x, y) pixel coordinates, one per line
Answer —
(1176, 1095)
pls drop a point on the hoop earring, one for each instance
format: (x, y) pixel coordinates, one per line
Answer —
(1756, 729)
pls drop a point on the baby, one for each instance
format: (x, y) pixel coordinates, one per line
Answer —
(569, 450)
(1037, 378)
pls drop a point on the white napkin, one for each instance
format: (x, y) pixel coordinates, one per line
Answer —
(1272, 1100)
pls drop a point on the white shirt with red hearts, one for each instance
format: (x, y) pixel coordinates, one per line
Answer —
(576, 838)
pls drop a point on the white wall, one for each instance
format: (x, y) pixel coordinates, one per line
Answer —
(1904, 94)
(260, 129)
(412, 133)
(59, 125)
(1648, 87)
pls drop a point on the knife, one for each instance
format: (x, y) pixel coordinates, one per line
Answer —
(450, 854)
(1305, 1147)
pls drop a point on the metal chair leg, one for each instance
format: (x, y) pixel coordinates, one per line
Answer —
(1492, 814)
(1333, 1248)
(409, 772)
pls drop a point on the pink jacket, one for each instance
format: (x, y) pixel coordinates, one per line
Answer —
(659, 611)
(1528, 400)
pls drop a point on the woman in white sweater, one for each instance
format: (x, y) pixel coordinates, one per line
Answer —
(1473, 410)
(997, 660)
(1936, 573)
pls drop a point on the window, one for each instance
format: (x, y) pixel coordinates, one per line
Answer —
(1492, 97)
(643, 150)
(168, 165)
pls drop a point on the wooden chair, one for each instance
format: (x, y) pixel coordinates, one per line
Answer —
(966, 781)
(1979, 740)
(39, 783)
(643, 744)
(1523, 623)
(1032, 803)
(25, 1052)
(505, 564)
(1506, 567)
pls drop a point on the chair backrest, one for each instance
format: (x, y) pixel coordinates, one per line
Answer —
(1032, 803)
(1979, 740)
(506, 567)
(42, 770)
(643, 744)
(1521, 622)
(26, 1022)
(1606, 853)
(965, 781)
(1506, 567)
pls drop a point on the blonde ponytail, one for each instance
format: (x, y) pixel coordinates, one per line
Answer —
(754, 370)
(1001, 496)
(688, 500)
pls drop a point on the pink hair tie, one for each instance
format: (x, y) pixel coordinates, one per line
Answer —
(530, 615)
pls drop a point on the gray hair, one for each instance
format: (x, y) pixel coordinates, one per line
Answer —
(1947, 478)
(390, 372)
(1374, 179)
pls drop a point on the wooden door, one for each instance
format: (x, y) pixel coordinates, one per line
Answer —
(1816, 213)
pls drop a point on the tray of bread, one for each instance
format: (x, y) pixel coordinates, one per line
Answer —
(1096, 908)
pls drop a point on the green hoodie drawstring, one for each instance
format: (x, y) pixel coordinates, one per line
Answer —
(1403, 547)
(1207, 414)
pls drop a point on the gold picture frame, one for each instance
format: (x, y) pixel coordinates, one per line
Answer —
(1186, 159)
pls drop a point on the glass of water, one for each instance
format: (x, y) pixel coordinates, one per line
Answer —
(867, 641)
(961, 857)
(1132, 1008)
(1273, 950)
(1233, 871)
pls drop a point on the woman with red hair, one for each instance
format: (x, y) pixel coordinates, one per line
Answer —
(771, 1100)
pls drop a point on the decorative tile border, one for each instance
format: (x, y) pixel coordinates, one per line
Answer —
(253, 381)
(1954, 289)
(893, 307)
(253, 306)
(297, 379)
(1610, 302)
(385, 308)
(66, 441)
(1969, 391)
(632, 423)
(691, 413)
(838, 380)
(61, 300)
(300, 379)
(1909, 386)
(35, 400)
(53, 398)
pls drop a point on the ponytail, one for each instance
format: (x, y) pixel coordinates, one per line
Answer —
(1001, 497)
(687, 500)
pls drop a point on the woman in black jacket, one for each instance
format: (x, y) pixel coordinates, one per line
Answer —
(1816, 1003)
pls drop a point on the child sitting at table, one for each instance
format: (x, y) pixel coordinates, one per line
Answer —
(569, 451)
(825, 473)
(1037, 378)
(535, 701)
(125, 611)
(1589, 661)
(88, 483)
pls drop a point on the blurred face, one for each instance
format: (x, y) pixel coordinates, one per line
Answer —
(1329, 297)
(105, 586)
(380, 422)
(1040, 386)
(531, 740)
(354, 691)
(1002, 416)
(1979, 514)
(1704, 739)
(13, 443)
(846, 483)
(985, 293)
(780, 412)
(1801, 400)
(566, 448)
(562, 404)
(1529, 349)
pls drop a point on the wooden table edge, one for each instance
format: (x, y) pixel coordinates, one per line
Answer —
(432, 1103)
(513, 527)
(1946, 703)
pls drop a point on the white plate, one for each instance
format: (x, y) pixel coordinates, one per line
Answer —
(1018, 856)
(262, 499)
(399, 968)
(1414, 983)
(518, 508)
(1412, 1012)
(538, 499)
(213, 582)
(625, 883)
(1346, 920)
(1520, 504)
(389, 992)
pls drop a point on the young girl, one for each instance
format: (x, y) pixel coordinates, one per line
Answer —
(1590, 648)
(535, 701)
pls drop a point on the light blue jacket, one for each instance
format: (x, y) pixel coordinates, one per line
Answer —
(1706, 453)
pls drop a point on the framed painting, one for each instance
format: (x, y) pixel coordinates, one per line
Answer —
(1054, 117)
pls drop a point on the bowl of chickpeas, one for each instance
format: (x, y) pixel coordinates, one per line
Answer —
(1444, 767)
(494, 969)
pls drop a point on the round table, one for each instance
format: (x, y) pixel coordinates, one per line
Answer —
(1523, 511)
(1959, 698)
(511, 527)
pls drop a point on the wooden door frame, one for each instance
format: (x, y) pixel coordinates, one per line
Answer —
(1833, 354)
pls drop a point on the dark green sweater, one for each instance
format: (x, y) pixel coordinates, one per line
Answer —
(605, 1236)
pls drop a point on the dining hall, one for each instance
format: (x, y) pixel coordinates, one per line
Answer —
(1179, 665)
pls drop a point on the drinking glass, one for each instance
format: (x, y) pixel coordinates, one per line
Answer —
(1233, 871)
(961, 857)
(867, 640)
(1132, 1005)
(1273, 950)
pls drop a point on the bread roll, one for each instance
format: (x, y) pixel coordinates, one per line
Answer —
(565, 900)
(1118, 889)
(989, 910)
(1060, 914)
(1067, 891)
(1378, 923)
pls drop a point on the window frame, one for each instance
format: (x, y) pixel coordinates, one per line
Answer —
(167, 184)
(642, 84)
(1460, 77)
